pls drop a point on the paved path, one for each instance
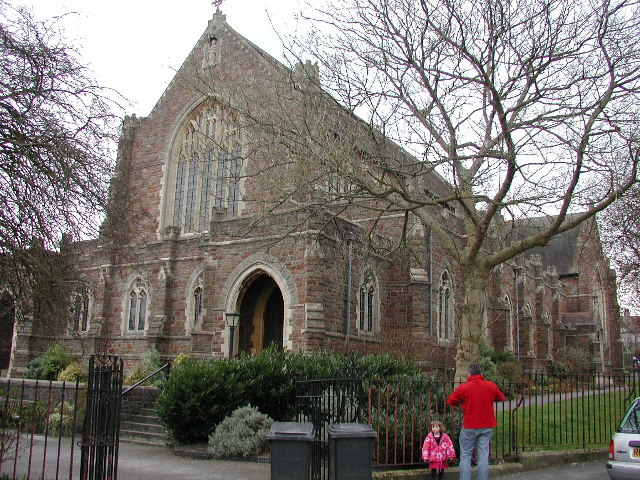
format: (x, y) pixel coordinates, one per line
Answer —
(143, 462)
(579, 471)
(136, 462)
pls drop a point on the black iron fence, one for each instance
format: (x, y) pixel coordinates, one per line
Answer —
(101, 432)
(60, 429)
(40, 423)
(541, 412)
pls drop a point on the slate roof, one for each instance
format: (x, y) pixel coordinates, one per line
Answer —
(562, 250)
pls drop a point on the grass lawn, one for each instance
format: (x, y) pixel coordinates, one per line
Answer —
(554, 421)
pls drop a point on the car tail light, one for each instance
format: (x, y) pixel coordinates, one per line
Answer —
(611, 454)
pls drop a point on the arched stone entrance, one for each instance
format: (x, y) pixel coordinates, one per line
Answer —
(7, 319)
(261, 314)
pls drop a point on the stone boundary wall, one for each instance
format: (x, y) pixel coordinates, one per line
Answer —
(138, 398)
(31, 390)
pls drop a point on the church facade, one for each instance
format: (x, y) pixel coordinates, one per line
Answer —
(181, 257)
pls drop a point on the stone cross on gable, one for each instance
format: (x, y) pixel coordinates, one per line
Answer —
(217, 3)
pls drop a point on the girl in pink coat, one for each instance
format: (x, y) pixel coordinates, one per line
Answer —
(437, 449)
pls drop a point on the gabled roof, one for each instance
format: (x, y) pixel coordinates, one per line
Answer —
(563, 249)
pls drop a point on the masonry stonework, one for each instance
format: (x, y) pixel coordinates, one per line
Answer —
(307, 282)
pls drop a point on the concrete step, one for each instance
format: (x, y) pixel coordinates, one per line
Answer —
(141, 427)
(130, 417)
(149, 412)
(143, 439)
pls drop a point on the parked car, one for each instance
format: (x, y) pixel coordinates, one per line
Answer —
(624, 448)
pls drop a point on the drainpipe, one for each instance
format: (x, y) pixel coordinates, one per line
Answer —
(347, 315)
(515, 276)
(430, 249)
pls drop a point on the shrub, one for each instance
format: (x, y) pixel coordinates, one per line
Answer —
(195, 398)
(34, 368)
(579, 361)
(199, 394)
(55, 359)
(264, 382)
(72, 373)
(384, 366)
(180, 358)
(558, 368)
(60, 424)
(135, 375)
(151, 361)
(243, 434)
(32, 416)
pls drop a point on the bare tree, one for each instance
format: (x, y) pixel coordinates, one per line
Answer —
(56, 142)
(621, 233)
(526, 109)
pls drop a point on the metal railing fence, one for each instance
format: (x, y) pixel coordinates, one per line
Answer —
(40, 422)
(101, 432)
(540, 412)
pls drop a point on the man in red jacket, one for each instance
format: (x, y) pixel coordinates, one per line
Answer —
(476, 398)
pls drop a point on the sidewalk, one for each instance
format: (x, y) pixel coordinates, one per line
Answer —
(135, 462)
(157, 463)
(150, 462)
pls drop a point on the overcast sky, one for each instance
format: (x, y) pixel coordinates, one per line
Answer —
(135, 46)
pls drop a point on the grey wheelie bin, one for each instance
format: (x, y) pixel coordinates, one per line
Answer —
(291, 444)
(350, 451)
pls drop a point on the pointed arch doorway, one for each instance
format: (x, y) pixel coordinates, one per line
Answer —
(261, 314)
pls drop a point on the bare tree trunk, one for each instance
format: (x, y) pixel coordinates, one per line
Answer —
(475, 278)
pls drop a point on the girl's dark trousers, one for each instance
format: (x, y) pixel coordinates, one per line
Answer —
(437, 473)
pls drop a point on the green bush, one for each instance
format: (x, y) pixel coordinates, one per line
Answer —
(32, 416)
(199, 394)
(263, 381)
(384, 366)
(557, 368)
(180, 358)
(135, 375)
(72, 373)
(60, 424)
(242, 434)
(195, 398)
(151, 361)
(578, 360)
(500, 367)
(34, 368)
(63, 414)
(49, 365)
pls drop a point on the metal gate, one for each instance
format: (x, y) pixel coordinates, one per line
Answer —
(101, 431)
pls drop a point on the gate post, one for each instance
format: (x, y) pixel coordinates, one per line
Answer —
(101, 430)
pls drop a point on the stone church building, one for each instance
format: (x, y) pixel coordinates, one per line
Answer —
(181, 254)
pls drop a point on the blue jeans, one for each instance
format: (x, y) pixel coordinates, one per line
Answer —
(478, 439)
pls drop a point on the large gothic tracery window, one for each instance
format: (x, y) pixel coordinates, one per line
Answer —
(208, 169)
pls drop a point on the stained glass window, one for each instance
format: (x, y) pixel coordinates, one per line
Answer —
(209, 164)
